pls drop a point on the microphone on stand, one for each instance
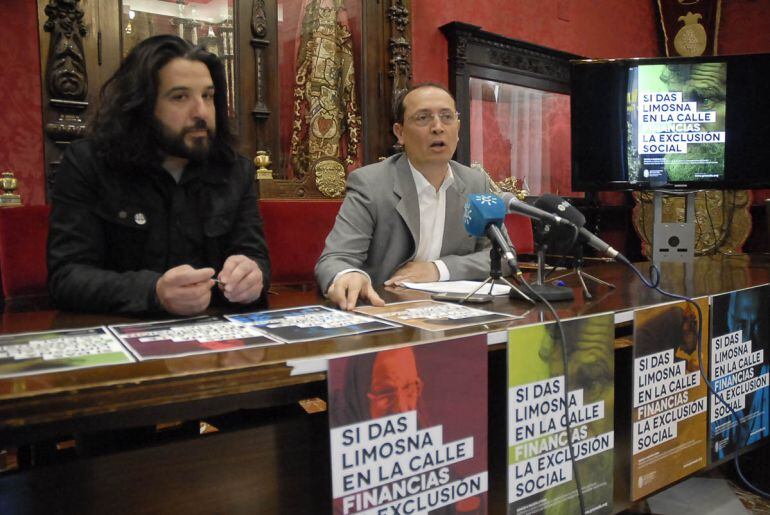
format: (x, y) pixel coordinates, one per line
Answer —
(539, 289)
(560, 207)
(550, 202)
(483, 216)
(514, 205)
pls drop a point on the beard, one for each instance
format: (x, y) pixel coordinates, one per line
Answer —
(173, 143)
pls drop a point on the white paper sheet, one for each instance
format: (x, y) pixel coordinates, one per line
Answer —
(458, 287)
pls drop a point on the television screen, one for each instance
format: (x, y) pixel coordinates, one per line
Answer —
(661, 123)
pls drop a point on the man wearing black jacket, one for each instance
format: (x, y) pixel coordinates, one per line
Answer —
(154, 211)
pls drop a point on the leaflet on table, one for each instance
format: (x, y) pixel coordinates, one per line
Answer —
(465, 287)
(55, 351)
(408, 429)
(185, 337)
(309, 323)
(434, 316)
(739, 371)
(544, 404)
(668, 414)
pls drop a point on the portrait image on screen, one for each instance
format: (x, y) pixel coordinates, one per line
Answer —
(677, 121)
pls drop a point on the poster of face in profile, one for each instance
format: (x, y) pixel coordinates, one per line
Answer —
(739, 370)
(668, 412)
(541, 476)
(409, 429)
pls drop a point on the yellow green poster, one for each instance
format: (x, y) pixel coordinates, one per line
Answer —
(560, 424)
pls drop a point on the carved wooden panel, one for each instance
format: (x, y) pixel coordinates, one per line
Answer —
(260, 43)
(65, 80)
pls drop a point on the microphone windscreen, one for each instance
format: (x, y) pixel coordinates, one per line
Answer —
(558, 206)
(557, 237)
(481, 210)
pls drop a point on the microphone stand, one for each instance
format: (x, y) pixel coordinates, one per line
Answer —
(496, 275)
(581, 275)
(546, 291)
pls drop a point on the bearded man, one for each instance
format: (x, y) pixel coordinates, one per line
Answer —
(154, 207)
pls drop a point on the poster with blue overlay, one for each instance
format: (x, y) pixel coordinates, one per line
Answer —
(739, 371)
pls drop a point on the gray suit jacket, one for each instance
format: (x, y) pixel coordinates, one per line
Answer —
(378, 226)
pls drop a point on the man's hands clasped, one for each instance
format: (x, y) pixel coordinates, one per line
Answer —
(184, 290)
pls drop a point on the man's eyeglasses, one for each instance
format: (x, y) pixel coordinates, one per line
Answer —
(425, 118)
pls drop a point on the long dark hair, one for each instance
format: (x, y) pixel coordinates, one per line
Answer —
(122, 127)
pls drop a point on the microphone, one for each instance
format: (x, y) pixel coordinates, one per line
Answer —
(514, 205)
(483, 216)
(554, 203)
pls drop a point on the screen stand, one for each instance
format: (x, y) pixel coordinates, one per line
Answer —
(673, 242)
(546, 291)
(581, 275)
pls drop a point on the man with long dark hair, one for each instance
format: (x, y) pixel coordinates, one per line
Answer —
(155, 202)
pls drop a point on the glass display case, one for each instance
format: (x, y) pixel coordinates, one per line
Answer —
(521, 133)
(514, 104)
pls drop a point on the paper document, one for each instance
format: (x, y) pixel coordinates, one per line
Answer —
(458, 287)
(434, 316)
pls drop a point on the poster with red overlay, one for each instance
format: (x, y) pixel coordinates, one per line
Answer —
(187, 337)
(408, 429)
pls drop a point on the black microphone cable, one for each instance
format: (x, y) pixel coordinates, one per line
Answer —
(654, 283)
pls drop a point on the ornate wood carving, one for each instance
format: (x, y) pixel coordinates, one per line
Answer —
(461, 51)
(399, 47)
(66, 75)
(258, 19)
(259, 42)
(527, 61)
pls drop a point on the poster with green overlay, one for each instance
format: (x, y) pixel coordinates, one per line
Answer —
(541, 476)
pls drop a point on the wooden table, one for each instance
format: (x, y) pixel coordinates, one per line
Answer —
(275, 460)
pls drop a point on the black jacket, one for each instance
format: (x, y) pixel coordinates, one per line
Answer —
(114, 233)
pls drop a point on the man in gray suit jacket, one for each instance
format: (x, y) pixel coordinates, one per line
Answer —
(402, 218)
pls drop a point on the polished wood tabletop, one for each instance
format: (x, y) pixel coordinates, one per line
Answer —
(219, 382)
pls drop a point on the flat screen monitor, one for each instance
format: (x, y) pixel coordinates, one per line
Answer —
(671, 123)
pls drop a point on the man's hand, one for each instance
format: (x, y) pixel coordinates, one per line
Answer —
(346, 290)
(415, 272)
(184, 290)
(241, 279)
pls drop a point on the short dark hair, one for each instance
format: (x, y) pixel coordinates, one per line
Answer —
(122, 126)
(398, 101)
